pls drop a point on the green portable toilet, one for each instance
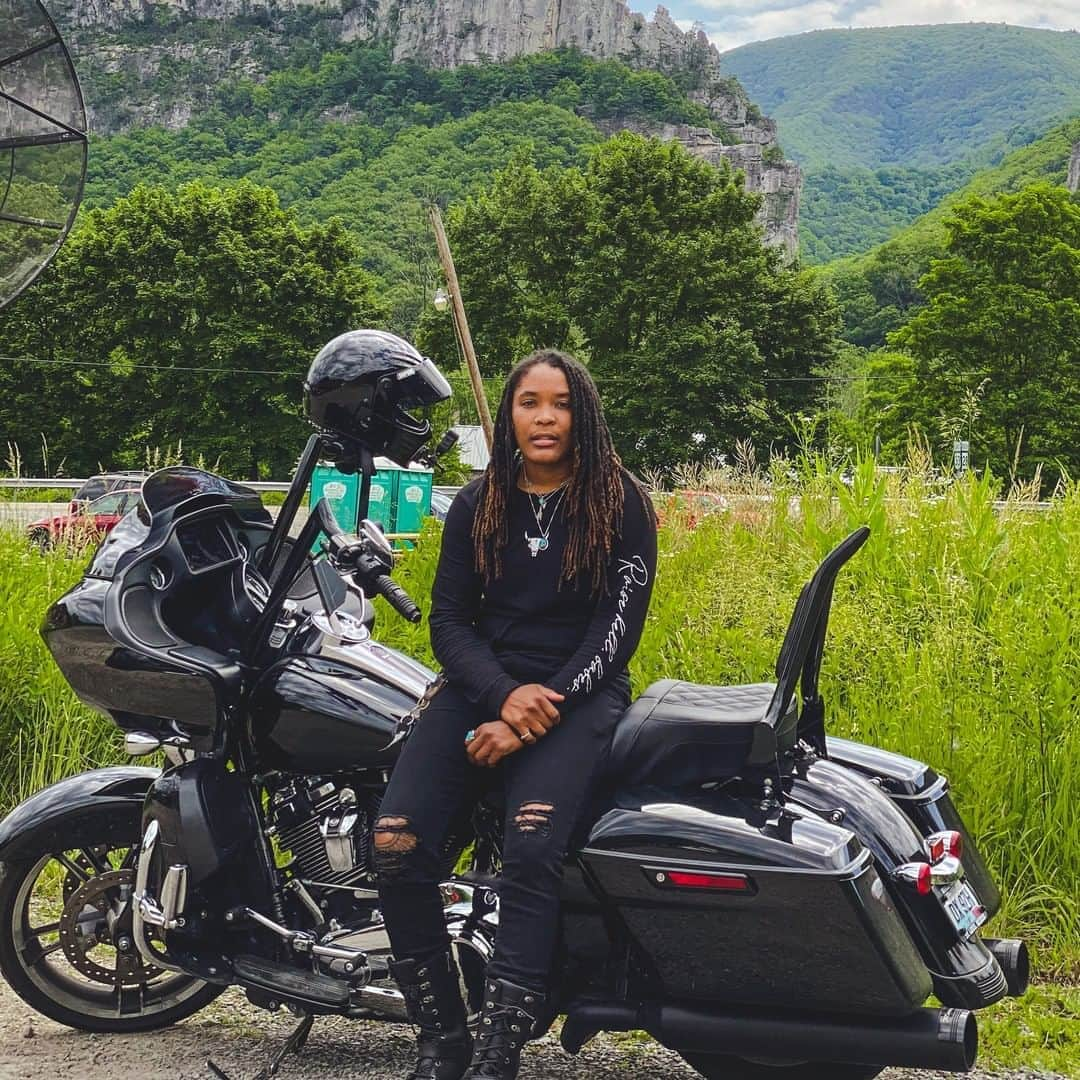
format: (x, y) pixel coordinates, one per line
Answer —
(413, 502)
(383, 487)
(340, 490)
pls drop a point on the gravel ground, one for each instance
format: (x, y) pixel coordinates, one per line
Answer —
(240, 1039)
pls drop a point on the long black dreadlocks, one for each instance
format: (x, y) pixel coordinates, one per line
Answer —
(594, 496)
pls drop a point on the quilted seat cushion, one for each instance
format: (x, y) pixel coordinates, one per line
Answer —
(680, 733)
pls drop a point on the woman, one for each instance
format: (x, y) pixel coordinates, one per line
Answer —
(539, 600)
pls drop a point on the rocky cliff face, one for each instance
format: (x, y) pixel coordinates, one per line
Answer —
(780, 183)
(452, 32)
(1073, 182)
(447, 33)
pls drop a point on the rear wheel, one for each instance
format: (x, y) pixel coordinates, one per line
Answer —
(729, 1067)
(66, 944)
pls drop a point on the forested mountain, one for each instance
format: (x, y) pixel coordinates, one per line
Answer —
(911, 96)
(356, 136)
(878, 289)
(887, 121)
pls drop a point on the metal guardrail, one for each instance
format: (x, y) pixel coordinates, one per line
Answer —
(77, 482)
(283, 485)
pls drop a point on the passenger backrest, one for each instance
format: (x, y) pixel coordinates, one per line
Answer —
(800, 654)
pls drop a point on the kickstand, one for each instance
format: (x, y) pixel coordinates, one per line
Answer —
(293, 1045)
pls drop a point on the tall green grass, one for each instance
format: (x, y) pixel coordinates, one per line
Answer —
(45, 733)
(955, 638)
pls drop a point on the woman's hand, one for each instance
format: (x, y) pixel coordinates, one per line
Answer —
(530, 711)
(491, 743)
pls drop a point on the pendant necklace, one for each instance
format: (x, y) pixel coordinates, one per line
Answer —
(541, 543)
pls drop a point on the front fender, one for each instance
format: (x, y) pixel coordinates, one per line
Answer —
(40, 820)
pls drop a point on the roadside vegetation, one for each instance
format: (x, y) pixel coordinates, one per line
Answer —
(955, 639)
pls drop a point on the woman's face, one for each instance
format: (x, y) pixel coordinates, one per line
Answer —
(543, 423)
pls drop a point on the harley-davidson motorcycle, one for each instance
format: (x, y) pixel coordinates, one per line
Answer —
(765, 900)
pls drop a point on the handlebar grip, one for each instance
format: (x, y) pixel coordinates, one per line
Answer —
(397, 597)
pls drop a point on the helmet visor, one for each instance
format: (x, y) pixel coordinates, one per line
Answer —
(421, 384)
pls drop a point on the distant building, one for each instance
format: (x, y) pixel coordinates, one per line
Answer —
(473, 447)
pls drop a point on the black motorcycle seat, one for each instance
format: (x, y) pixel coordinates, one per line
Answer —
(680, 733)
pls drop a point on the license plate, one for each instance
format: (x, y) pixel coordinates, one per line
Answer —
(962, 906)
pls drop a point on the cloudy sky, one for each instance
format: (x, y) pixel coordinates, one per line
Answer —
(736, 22)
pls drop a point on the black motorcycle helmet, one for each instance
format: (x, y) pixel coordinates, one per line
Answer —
(362, 385)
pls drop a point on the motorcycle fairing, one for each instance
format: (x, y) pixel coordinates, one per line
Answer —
(120, 789)
(110, 634)
(813, 891)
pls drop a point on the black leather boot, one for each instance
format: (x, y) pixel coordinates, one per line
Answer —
(433, 999)
(506, 1023)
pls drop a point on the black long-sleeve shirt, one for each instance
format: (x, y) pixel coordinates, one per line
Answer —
(523, 627)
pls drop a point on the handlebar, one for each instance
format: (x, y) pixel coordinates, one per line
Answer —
(396, 597)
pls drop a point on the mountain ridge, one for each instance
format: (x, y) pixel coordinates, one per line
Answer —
(906, 96)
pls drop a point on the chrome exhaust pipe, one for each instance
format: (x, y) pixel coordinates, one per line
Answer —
(945, 1039)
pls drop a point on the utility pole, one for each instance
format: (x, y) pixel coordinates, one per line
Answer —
(461, 324)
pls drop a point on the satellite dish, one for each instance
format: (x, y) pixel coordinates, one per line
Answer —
(42, 143)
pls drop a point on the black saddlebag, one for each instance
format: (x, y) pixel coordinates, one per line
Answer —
(729, 903)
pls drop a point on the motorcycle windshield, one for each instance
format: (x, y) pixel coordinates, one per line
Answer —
(170, 487)
(162, 493)
(128, 534)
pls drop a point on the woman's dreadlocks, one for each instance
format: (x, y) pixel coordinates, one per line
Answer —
(594, 495)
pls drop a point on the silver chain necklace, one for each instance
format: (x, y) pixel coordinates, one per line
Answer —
(540, 543)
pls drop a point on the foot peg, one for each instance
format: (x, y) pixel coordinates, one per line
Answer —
(293, 1045)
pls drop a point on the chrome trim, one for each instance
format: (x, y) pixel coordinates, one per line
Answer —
(140, 743)
(852, 870)
(382, 1001)
(946, 871)
(144, 909)
(909, 873)
(174, 897)
(931, 794)
(381, 662)
(337, 833)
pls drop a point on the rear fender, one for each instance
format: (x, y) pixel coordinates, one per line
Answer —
(43, 821)
(923, 797)
(963, 971)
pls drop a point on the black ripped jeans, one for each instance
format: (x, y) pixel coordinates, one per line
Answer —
(547, 786)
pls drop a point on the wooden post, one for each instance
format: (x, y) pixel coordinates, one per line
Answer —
(461, 324)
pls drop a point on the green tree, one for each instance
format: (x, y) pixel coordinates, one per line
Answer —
(1003, 312)
(186, 317)
(647, 262)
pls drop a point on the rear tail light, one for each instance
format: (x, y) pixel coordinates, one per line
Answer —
(688, 879)
(919, 875)
(943, 844)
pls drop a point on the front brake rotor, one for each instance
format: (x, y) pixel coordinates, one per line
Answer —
(84, 924)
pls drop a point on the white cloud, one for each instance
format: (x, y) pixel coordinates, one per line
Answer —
(730, 24)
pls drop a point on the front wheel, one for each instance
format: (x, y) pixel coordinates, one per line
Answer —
(729, 1067)
(66, 944)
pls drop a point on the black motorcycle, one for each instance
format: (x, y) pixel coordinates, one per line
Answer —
(765, 900)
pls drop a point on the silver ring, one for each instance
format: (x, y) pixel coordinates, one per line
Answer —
(528, 737)
(470, 735)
